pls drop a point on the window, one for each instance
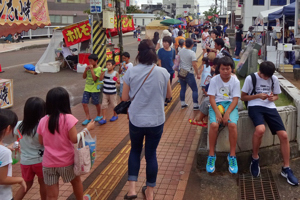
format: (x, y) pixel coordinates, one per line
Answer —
(186, 6)
(70, 1)
(55, 19)
(134, 21)
(292, 1)
(168, 7)
(143, 22)
(258, 2)
(278, 2)
(67, 19)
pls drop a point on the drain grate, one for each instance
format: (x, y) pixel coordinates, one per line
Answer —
(261, 188)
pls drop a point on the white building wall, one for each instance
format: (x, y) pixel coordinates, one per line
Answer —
(249, 11)
(142, 19)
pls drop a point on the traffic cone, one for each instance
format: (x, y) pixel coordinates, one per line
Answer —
(1, 69)
(139, 37)
(109, 40)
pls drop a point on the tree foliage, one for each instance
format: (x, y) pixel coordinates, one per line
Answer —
(211, 12)
(133, 9)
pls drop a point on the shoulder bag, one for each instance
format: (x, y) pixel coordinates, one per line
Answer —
(123, 106)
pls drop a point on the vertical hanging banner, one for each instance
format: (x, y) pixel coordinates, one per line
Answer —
(77, 33)
(96, 6)
(17, 16)
(6, 93)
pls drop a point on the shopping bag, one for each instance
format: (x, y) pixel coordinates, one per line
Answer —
(91, 142)
(82, 159)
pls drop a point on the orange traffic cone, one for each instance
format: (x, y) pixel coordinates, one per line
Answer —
(109, 40)
(1, 69)
(139, 38)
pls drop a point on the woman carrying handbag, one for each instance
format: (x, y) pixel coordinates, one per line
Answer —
(150, 86)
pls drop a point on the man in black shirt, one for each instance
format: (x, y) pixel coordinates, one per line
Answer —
(194, 37)
(238, 40)
(219, 29)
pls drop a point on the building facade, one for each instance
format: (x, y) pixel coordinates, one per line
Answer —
(141, 19)
(251, 9)
(179, 7)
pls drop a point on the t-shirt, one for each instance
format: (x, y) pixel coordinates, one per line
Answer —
(90, 84)
(187, 56)
(238, 35)
(175, 32)
(59, 150)
(224, 91)
(66, 51)
(147, 108)
(219, 28)
(128, 65)
(31, 149)
(262, 86)
(194, 37)
(109, 85)
(177, 41)
(5, 159)
(167, 58)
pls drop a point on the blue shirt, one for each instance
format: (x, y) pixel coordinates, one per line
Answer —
(167, 58)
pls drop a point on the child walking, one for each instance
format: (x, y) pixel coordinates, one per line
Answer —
(8, 121)
(125, 66)
(31, 150)
(205, 72)
(57, 132)
(110, 78)
(224, 90)
(91, 74)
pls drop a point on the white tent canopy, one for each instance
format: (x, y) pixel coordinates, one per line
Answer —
(263, 15)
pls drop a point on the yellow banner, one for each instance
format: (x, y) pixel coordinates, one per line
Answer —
(6, 93)
(21, 15)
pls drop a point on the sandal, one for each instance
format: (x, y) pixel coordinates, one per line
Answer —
(130, 197)
(201, 123)
(144, 188)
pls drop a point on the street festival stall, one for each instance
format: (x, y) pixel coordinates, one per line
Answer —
(76, 34)
(17, 16)
(154, 26)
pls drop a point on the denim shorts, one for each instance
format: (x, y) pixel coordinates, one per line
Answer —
(94, 95)
(233, 116)
(260, 114)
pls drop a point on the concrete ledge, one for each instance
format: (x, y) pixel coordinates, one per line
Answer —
(268, 156)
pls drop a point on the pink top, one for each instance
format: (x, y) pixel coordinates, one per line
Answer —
(59, 150)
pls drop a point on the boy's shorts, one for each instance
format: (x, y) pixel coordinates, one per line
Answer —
(204, 106)
(94, 95)
(233, 116)
(260, 114)
(109, 99)
(29, 171)
(52, 174)
(121, 89)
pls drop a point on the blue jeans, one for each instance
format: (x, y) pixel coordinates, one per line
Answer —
(194, 49)
(152, 137)
(191, 81)
(238, 48)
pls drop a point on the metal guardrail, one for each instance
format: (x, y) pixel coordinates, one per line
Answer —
(40, 32)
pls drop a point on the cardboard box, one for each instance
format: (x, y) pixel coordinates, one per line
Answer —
(285, 47)
(6, 93)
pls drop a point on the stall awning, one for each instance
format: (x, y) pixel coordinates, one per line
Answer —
(288, 11)
(263, 16)
(17, 16)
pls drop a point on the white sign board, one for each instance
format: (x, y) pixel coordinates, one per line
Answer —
(231, 5)
(96, 6)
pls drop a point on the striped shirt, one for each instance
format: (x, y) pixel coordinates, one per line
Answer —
(109, 85)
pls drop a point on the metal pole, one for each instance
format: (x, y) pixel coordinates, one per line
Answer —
(92, 29)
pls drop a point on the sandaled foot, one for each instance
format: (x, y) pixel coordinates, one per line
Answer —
(85, 122)
(130, 197)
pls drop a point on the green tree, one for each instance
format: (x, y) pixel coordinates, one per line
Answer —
(133, 9)
(211, 12)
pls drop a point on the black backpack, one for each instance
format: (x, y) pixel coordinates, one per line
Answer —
(253, 78)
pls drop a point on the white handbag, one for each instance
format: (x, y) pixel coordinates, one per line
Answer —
(82, 159)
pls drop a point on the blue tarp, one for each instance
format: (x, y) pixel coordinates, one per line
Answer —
(288, 11)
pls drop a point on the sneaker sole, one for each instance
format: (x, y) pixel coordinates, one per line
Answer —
(285, 176)
(258, 171)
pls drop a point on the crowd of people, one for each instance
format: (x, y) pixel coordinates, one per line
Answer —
(49, 132)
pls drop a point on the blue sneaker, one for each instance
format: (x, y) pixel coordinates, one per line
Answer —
(98, 118)
(114, 118)
(210, 165)
(254, 167)
(85, 122)
(233, 167)
(102, 121)
(288, 174)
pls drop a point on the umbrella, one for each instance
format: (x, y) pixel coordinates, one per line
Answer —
(171, 22)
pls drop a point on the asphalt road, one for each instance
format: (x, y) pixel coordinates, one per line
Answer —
(28, 85)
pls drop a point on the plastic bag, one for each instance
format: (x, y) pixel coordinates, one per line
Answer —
(91, 142)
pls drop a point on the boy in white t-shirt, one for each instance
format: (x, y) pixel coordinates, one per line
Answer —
(123, 68)
(224, 92)
(261, 108)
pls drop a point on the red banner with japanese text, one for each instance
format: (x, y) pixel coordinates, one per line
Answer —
(127, 26)
(77, 33)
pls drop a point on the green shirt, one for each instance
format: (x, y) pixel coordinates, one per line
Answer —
(90, 84)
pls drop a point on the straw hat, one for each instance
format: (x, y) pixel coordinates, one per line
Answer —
(166, 33)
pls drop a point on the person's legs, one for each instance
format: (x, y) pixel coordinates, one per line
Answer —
(105, 102)
(152, 139)
(77, 188)
(232, 128)
(43, 191)
(191, 81)
(20, 193)
(171, 78)
(52, 191)
(136, 137)
(238, 49)
(194, 49)
(51, 178)
(182, 90)
(213, 135)
(256, 139)
(284, 147)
